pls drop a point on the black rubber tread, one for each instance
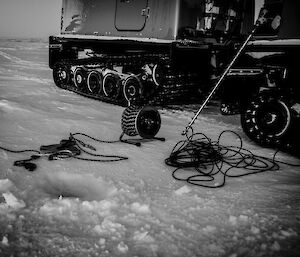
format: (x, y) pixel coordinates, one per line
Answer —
(143, 121)
(175, 88)
(128, 121)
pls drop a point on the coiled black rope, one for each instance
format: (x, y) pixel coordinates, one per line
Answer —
(206, 163)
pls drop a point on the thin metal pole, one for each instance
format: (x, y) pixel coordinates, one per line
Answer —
(219, 81)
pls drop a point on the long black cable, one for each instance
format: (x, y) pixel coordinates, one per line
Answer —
(20, 151)
(81, 145)
(70, 148)
(200, 161)
(93, 138)
(27, 164)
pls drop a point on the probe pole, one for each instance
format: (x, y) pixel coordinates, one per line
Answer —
(221, 79)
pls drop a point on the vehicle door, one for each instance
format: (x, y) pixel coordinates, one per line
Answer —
(131, 15)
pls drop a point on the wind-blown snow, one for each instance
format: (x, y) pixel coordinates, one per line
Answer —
(130, 208)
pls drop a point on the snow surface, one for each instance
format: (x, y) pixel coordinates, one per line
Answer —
(129, 208)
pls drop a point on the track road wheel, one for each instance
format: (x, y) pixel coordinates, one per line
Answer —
(80, 76)
(267, 120)
(61, 74)
(111, 85)
(95, 82)
(159, 74)
(132, 89)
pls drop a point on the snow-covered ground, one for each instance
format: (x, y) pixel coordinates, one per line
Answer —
(128, 208)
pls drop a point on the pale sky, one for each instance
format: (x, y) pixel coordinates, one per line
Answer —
(29, 18)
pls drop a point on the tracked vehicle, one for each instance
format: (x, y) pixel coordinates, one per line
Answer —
(158, 50)
(172, 51)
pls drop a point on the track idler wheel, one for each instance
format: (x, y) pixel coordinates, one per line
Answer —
(61, 74)
(159, 74)
(132, 89)
(95, 82)
(80, 77)
(111, 85)
(267, 120)
(143, 121)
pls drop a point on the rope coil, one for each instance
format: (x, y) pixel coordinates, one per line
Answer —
(200, 161)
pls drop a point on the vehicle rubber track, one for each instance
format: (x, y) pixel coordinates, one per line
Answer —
(160, 84)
